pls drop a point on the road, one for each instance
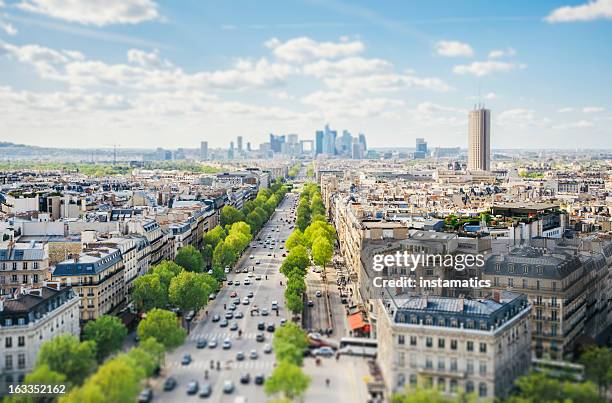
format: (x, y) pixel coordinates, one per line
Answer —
(264, 292)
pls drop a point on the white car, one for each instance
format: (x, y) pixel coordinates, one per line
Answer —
(251, 257)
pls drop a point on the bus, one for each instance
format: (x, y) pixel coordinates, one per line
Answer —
(361, 346)
(560, 369)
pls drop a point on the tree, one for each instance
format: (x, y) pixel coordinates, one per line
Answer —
(241, 228)
(164, 327)
(118, 379)
(319, 229)
(296, 283)
(166, 270)
(66, 355)
(322, 251)
(224, 255)
(189, 291)
(298, 257)
(155, 349)
(207, 254)
(214, 236)
(41, 375)
(230, 215)
(190, 259)
(296, 238)
(254, 221)
(108, 332)
(148, 292)
(288, 380)
(598, 367)
(539, 387)
(289, 343)
(420, 395)
(294, 301)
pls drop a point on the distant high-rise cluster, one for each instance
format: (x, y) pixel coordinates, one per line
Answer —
(328, 143)
(479, 140)
(420, 149)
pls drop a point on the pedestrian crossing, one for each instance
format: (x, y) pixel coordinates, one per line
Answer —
(220, 336)
(246, 364)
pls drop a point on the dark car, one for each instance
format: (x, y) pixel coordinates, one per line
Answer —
(206, 390)
(224, 323)
(169, 384)
(260, 338)
(186, 359)
(270, 328)
(201, 343)
(192, 388)
(229, 315)
(145, 396)
(245, 379)
(216, 318)
(310, 303)
(261, 326)
(259, 379)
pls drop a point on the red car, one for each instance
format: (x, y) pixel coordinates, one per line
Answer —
(233, 294)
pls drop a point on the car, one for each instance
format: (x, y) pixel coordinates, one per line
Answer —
(237, 283)
(245, 270)
(250, 294)
(186, 360)
(210, 272)
(216, 318)
(264, 312)
(212, 296)
(258, 277)
(259, 379)
(269, 253)
(236, 301)
(228, 387)
(261, 326)
(190, 315)
(229, 315)
(314, 336)
(274, 305)
(251, 257)
(227, 270)
(232, 307)
(267, 349)
(324, 352)
(245, 301)
(258, 262)
(145, 396)
(233, 326)
(233, 294)
(318, 293)
(260, 338)
(201, 343)
(224, 323)
(212, 343)
(250, 275)
(239, 356)
(238, 315)
(310, 303)
(206, 390)
(270, 328)
(192, 388)
(169, 384)
(227, 344)
(247, 281)
(253, 355)
(283, 321)
(230, 282)
(245, 379)
(284, 255)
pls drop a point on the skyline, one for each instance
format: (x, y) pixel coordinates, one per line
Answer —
(206, 71)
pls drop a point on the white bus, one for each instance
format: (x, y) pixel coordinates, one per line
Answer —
(361, 346)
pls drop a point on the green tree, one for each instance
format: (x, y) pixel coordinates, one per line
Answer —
(254, 221)
(148, 292)
(66, 355)
(298, 257)
(296, 238)
(166, 270)
(322, 251)
(288, 380)
(190, 259)
(207, 254)
(214, 236)
(420, 395)
(230, 215)
(294, 302)
(164, 327)
(241, 228)
(108, 332)
(189, 291)
(289, 343)
(598, 367)
(41, 375)
(154, 349)
(117, 379)
(539, 387)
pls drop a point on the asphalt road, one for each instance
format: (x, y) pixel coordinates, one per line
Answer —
(264, 292)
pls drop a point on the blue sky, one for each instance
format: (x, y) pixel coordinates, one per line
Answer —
(145, 73)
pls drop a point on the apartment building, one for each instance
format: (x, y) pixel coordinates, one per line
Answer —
(97, 276)
(454, 344)
(23, 265)
(29, 319)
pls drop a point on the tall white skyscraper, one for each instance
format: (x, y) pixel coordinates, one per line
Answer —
(479, 140)
(204, 150)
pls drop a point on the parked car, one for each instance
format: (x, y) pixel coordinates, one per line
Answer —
(169, 384)
(192, 388)
(324, 352)
(186, 360)
(201, 343)
(206, 390)
(145, 396)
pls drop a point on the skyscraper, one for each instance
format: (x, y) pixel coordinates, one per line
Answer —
(420, 149)
(479, 140)
(329, 141)
(346, 143)
(204, 150)
(319, 142)
(276, 142)
(362, 141)
(239, 143)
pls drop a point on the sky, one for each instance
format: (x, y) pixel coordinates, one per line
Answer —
(147, 73)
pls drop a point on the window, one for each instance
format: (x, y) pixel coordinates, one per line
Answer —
(401, 359)
(469, 367)
(469, 387)
(428, 363)
(453, 344)
(497, 267)
(8, 342)
(440, 343)
(429, 342)
(413, 340)
(441, 363)
(469, 345)
(483, 368)
(413, 379)
(524, 283)
(510, 268)
(483, 347)
(453, 386)
(482, 389)
(441, 384)
(525, 269)
(21, 341)
(453, 365)
(21, 361)
(400, 339)
(413, 360)
(510, 282)
(8, 362)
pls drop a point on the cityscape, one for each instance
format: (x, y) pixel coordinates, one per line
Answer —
(318, 222)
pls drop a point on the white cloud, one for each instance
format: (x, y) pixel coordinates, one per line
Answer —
(95, 12)
(521, 118)
(489, 96)
(8, 28)
(592, 10)
(566, 110)
(497, 53)
(304, 49)
(147, 59)
(386, 82)
(453, 48)
(581, 124)
(487, 67)
(344, 104)
(592, 109)
(351, 66)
